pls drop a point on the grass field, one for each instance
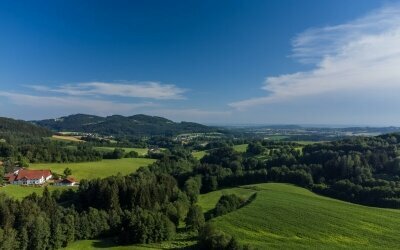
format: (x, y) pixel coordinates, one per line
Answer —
(287, 217)
(20, 192)
(239, 148)
(140, 151)
(208, 201)
(181, 241)
(200, 154)
(100, 169)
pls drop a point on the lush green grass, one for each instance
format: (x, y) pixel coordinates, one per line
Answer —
(199, 154)
(287, 217)
(140, 151)
(99, 169)
(239, 148)
(209, 200)
(20, 192)
(181, 241)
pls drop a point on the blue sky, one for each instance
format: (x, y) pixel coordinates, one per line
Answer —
(297, 62)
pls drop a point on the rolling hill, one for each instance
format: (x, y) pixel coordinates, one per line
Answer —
(288, 217)
(10, 127)
(117, 125)
(284, 216)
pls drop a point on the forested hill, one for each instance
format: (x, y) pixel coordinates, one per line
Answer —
(10, 127)
(116, 125)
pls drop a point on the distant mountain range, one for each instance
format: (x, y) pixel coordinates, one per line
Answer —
(117, 125)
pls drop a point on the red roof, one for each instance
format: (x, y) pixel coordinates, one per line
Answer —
(10, 177)
(32, 174)
(68, 180)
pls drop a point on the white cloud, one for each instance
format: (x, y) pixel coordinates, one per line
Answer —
(361, 54)
(152, 90)
(73, 104)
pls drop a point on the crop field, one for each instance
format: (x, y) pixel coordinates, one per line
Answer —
(140, 151)
(287, 217)
(20, 192)
(66, 138)
(99, 169)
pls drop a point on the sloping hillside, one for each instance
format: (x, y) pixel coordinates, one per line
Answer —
(116, 125)
(11, 127)
(288, 217)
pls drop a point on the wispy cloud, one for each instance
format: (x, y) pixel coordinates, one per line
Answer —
(151, 90)
(73, 104)
(361, 54)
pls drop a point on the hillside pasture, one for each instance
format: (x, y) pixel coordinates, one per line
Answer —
(241, 148)
(288, 217)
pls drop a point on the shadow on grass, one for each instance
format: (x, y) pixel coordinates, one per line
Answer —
(110, 242)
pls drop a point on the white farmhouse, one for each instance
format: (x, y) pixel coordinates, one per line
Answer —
(30, 177)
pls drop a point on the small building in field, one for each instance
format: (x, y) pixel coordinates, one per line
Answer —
(29, 177)
(69, 181)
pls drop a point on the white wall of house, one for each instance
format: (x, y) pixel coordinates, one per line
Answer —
(64, 184)
(32, 181)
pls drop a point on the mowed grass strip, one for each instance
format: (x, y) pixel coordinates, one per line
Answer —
(287, 217)
(98, 169)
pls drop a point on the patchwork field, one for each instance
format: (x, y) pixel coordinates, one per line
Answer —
(99, 169)
(287, 217)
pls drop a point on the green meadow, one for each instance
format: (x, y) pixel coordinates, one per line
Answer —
(20, 192)
(239, 148)
(99, 169)
(288, 217)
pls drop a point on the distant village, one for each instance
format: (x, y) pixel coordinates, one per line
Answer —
(28, 177)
